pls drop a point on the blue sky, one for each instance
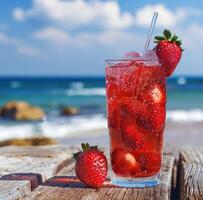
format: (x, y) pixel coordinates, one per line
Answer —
(62, 37)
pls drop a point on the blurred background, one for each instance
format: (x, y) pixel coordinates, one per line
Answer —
(52, 56)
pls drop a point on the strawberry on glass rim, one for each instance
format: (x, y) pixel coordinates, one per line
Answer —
(168, 50)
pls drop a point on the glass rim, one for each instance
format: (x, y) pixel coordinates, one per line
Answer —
(110, 62)
(123, 59)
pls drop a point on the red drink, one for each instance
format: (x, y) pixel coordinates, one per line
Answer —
(136, 108)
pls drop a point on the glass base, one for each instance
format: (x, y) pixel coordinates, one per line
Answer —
(136, 182)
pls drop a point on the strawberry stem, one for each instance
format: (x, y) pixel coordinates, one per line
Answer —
(85, 146)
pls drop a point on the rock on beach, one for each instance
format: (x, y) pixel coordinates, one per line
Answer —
(70, 111)
(21, 111)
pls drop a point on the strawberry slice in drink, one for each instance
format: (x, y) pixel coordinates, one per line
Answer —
(153, 94)
(130, 107)
(124, 163)
(150, 162)
(157, 98)
(132, 137)
(137, 112)
(157, 94)
(148, 78)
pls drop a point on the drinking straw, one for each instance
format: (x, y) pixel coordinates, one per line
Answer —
(151, 29)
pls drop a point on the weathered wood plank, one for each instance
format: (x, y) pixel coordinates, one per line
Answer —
(35, 179)
(66, 188)
(46, 160)
(14, 190)
(191, 173)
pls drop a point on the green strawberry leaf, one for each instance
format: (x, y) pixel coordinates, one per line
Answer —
(75, 155)
(85, 147)
(179, 42)
(174, 38)
(167, 34)
(168, 37)
(159, 38)
(156, 41)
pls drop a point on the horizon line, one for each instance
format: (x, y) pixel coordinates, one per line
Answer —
(79, 76)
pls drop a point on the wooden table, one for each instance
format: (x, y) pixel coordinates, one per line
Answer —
(191, 173)
(48, 173)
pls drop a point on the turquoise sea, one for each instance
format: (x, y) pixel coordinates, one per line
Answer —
(185, 95)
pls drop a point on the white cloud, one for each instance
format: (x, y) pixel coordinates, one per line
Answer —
(87, 38)
(107, 38)
(106, 14)
(113, 37)
(192, 37)
(53, 35)
(166, 17)
(19, 15)
(107, 24)
(20, 47)
(78, 12)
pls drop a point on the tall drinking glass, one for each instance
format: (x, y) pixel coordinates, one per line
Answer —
(136, 109)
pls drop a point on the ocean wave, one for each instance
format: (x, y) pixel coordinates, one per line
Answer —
(194, 115)
(54, 128)
(16, 131)
(74, 126)
(79, 125)
(86, 92)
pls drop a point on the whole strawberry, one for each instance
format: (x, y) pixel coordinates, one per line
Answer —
(91, 166)
(168, 50)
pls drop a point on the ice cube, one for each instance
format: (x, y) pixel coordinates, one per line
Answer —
(150, 55)
(151, 58)
(132, 55)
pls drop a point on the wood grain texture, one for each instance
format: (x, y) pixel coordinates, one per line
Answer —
(14, 190)
(46, 160)
(70, 188)
(35, 179)
(191, 173)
